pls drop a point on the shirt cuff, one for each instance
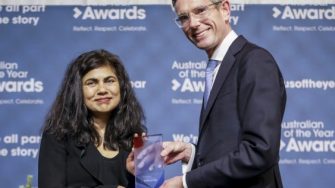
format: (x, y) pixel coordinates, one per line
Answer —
(186, 167)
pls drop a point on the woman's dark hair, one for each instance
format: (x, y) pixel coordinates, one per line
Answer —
(70, 118)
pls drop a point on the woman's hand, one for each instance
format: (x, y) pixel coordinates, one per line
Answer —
(130, 162)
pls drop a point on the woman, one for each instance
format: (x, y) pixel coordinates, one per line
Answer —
(88, 132)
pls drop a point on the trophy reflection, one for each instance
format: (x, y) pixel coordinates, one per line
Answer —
(149, 171)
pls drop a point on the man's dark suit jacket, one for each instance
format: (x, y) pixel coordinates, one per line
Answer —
(67, 164)
(239, 136)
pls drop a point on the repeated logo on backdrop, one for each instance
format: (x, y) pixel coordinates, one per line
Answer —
(189, 78)
(307, 137)
(21, 15)
(313, 137)
(16, 80)
(103, 13)
(304, 13)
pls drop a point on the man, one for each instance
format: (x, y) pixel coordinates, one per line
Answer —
(240, 123)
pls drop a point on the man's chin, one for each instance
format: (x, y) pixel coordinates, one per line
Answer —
(201, 45)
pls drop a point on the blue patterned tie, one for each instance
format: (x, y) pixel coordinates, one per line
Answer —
(209, 78)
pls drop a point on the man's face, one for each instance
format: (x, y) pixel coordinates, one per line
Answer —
(207, 23)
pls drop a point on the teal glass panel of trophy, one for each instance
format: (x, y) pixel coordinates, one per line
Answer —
(149, 165)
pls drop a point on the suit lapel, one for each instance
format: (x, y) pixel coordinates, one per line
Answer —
(225, 67)
(88, 158)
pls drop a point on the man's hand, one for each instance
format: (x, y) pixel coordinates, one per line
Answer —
(175, 182)
(175, 151)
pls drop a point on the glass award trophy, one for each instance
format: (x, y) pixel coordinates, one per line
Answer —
(149, 171)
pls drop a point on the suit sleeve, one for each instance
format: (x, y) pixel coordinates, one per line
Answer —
(260, 102)
(51, 162)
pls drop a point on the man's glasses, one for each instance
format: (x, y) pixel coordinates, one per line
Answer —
(183, 20)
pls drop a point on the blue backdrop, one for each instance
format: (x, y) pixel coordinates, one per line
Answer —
(167, 72)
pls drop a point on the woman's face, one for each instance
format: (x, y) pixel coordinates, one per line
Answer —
(101, 90)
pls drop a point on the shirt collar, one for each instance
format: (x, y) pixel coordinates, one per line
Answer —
(221, 51)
